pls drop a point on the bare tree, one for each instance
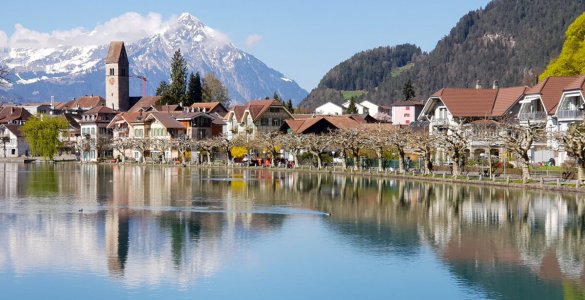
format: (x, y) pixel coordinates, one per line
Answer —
(141, 145)
(350, 142)
(206, 146)
(424, 145)
(573, 141)
(316, 145)
(379, 138)
(519, 139)
(121, 145)
(182, 144)
(484, 134)
(399, 140)
(294, 144)
(269, 141)
(454, 141)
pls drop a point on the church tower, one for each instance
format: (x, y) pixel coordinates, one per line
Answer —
(117, 80)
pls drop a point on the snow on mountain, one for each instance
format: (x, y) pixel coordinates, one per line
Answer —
(68, 72)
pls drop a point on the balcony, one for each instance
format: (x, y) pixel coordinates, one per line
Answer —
(570, 115)
(539, 116)
(440, 122)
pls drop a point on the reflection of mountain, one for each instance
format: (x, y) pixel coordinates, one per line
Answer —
(145, 225)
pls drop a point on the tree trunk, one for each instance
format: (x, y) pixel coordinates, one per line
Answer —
(580, 173)
(456, 171)
(208, 153)
(401, 162)
(380, 160)
(296, 159)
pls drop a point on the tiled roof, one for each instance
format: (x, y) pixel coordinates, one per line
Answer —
(551, 90)
(506, 98)
(239, 112)
(85, 103)
(408, 103)
(100, 110)
(125, 117)
(116, 53)
(144, 102)
(339, 122)
(208, 106)
(10, 113)
(15, 129)
(577, 84)
(166, 119)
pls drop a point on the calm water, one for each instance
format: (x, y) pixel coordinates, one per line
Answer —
(74, 231)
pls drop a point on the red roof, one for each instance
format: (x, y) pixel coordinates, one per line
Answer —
(11, 113)
(551, 89)
(144, 102)
(85, 103)
(479, 102)
(100, 110)
(577, 84)
(300, 126)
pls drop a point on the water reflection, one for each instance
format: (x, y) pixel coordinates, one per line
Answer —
(147, 225)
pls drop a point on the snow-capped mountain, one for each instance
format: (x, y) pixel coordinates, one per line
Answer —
(68, 72)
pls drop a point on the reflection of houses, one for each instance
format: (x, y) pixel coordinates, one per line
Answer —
(256, 116)
(12, 141)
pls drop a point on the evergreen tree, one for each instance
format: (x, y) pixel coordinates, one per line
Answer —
(408, 90)
(177, 91)
(289, 106)
(276, 97)
(195, 90)
(214, 90)
(351, 108)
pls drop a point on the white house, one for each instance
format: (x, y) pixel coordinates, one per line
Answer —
(360, 108)
(329, 108)
(12, 142)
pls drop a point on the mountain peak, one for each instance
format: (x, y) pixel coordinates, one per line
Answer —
(188, 19)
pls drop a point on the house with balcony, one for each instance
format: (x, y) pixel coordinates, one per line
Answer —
(452, 107)
(95, 139)
(256, 116)
(569, 110)
(12, 141)
(540, 102)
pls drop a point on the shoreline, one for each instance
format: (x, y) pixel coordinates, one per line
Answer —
(439, 178)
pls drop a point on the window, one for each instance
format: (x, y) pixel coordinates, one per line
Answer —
(407, 115)
(264, 122)
(407, 121)
(13, 151)
(201, 134)
(111, 71)
(93, 131)
(122, 72)
(275, 122)
(407, 108)
(103, 130)
(274, 109)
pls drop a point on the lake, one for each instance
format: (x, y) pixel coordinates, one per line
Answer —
(71, 231)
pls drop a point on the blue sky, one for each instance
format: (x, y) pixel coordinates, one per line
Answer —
(302, 39)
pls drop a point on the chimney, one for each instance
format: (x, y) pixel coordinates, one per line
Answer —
(495, 85)
(52, 102)
(477, 84)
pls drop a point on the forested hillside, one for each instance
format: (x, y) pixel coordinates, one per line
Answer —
(363, 71)
(511, 41)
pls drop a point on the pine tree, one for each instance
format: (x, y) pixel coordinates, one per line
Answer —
(276, 97)
(351, 108)
(177, 92)
(289, 106)
(195, 90)
(408, 90)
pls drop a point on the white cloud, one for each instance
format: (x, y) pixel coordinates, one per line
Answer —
(128, 27)
(253, 40)
(3, 39)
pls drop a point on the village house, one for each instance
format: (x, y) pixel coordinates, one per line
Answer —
(256, 116)
(406, 112)
(321, 124)
(95, 139)
(79, 105)
(211, 108)
(450, 108)
(12, 142)
(15, 115)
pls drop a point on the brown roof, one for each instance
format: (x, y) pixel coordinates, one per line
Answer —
(479, 102)
(15, 129)
(577, 84)
(239, 112)
(550, 91)
(144, 102)
(506, 98)
(408, 103)
(167, 108)
(208, 106)
(339, 122)
(85, 103)
(126, 117)
(116, 53)
(11, 113)
(166, 119)
(100, 110)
